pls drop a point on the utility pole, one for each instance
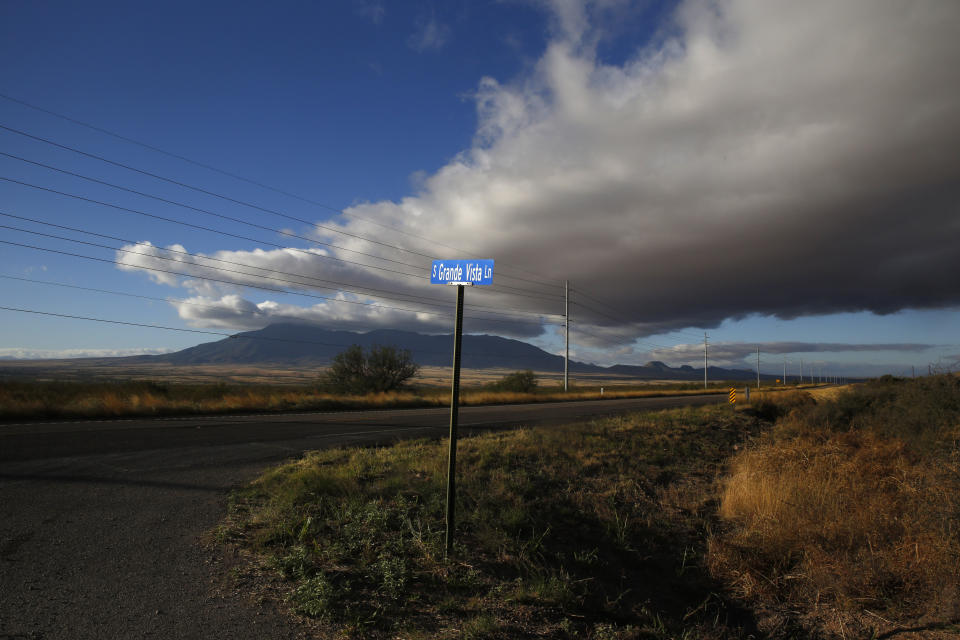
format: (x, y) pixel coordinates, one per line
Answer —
(704, 359)
(784, 370)
(758, 367)
(801, 370)
(566, 335)
(914, 368)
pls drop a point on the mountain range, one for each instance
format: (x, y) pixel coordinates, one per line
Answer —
(300, 344)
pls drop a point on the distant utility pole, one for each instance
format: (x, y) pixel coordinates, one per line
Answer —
(801, 370)
(704, 359)
(914, 368)
(784, 370)
(566, 335)
(758, 366)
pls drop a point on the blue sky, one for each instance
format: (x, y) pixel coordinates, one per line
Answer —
(732, 167)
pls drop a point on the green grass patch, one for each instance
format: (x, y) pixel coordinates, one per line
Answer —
(593, 530)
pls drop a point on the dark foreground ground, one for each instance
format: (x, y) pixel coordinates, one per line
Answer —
(102, 522)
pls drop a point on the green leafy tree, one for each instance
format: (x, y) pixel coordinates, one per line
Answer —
(383, 368)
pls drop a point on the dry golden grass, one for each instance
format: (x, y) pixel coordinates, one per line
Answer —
(89, 369)
(77, 399)
(840, 523)
(828, 393)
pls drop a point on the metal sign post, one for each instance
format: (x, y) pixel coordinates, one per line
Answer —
(462, 273)
(454, 417)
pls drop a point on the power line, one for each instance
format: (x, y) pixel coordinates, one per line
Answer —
(248, 180)
(201, 227)
(201, 190)
(134, 295)
(637, 340)
(651, 346)
(109, 291)
(206, 211)
(223, 197)
(407, 297)
(187, 253)
(221, 232)
(132, 324)
(254, 286)
(622, 315)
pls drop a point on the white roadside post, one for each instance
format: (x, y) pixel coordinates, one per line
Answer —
(462, 273)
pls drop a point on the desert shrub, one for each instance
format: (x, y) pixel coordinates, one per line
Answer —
(517, 382)
(920, 412)
(356, 371)
(771, 406)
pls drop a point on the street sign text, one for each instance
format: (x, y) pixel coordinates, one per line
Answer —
(468, 272)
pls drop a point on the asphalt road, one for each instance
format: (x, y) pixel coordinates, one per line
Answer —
(101, 521)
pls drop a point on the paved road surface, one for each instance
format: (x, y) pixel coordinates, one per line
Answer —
(100, 520)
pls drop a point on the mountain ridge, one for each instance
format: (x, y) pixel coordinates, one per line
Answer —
(291, 343)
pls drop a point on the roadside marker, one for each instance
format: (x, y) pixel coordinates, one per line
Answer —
(733, 396)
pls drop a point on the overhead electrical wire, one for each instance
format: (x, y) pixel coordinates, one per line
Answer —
(132, 324)
(201, 227)
(341, 286)
(615, 319)
(646, 342)
(652, 346)
(254, 286)
(622, 315)
(207, 211)
(225, 270)
(525, 292)
(310, 253)
(254, 182)
(224, 197)
(210, 229)
(196, 304)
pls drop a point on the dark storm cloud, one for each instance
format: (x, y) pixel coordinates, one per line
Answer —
(771, 157)
(738, 352)
(775, 158)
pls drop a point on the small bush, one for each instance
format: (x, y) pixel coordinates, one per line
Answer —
(379, 370)
(517, 382)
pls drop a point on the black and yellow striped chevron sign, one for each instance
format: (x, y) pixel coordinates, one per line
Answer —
(733, 396)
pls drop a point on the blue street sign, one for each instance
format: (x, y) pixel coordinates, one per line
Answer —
(462, 272)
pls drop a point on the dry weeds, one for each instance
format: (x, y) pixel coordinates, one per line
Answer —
(849, 526)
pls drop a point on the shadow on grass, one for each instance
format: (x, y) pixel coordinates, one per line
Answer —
(597, 529)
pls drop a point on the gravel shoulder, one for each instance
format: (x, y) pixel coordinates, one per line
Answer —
(109, 546)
